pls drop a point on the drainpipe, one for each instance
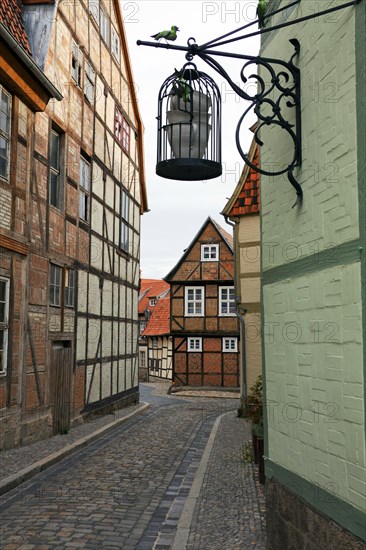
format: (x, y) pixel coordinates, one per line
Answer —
(243, 386)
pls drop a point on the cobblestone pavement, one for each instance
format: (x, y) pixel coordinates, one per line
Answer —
(127, 489)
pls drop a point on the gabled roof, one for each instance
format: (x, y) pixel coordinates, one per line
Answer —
(246, 196)
(159, 322)
(226, 237)
(11, 18)
(151, 288)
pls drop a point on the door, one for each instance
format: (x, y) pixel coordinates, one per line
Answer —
(61, 369)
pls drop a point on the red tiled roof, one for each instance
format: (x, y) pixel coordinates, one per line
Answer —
(248, 200)
(228, 236)
(159, 322)
(11, 18)
(150, 288)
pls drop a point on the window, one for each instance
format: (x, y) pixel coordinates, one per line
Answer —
(94, 9)
(142, 359)
(76, 64)
(126, 136)
(89, 83)
(69, 287)
(209, 252)
(84, 190)
(125, 210)
(56, 189)
(104, 26)
(227, 300)
(194, 301)
(155, 343)
(194, 344)
(230, 344)
(5, 128)
(4, 323)
(122, 131)
(116, 47)
(55, 285)
(152, 302)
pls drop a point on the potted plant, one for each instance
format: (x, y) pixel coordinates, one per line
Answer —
(254, 411)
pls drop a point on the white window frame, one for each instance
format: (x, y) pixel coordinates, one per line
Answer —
(211, 248)
(228, 301)
(104, 25)
(53, 285)
(152, 302)
(4, 326)
(124, 222)
(5, 133)
(55, 172)
(94, 7)
(154, 343)
(77, 60)
(84, 189)
(89, 82)
(194, 344)
(227, 344)
(69, 289)
(142, 359)
(115, 44)
(194, 301)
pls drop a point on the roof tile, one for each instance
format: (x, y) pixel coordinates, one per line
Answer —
(150, 288)
(159, 322)
(11, 18)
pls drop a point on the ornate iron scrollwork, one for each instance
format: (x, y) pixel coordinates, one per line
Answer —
(272, 97)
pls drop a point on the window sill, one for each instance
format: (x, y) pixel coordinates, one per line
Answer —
(123, 254)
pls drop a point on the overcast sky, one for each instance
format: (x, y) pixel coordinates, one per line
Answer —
(179, 208)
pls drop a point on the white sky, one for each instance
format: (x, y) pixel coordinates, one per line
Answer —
(179, 208)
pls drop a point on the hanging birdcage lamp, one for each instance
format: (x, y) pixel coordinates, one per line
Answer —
(189, 126)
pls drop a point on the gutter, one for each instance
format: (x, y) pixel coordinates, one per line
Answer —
(243, 385)
(29, 63)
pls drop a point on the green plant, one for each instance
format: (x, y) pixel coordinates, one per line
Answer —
(247, 454)
(258, 430)
(254, 402)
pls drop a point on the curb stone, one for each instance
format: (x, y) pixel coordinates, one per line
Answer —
(12, 481)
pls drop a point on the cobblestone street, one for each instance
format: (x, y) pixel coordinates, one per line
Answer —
(132, 487)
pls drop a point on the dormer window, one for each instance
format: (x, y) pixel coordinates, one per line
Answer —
(209, 253)
(152, 302)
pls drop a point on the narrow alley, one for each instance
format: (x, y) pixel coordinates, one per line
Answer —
(172, 476)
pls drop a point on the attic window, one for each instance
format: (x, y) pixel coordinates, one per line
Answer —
(209, 253)
(152, 302)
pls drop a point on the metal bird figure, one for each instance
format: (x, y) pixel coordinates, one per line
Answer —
(261, 10)
(167, 35)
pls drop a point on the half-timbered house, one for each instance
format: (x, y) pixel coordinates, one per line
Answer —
(159, 341)
(151, 291)
(72, 209)
(204, 324)
(243, 209)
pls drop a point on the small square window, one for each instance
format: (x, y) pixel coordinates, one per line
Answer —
(194, 344)
(230, 345)
(152, 302)
(209, 253)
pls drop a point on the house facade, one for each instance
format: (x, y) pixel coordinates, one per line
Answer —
(159, 341)
(151, 291)
(242, 210)
(204, 325)
(313, 289)
(76, 192)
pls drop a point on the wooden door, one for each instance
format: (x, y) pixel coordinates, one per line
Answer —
(61, 371)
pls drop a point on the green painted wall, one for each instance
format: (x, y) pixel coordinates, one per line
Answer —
(312, 265)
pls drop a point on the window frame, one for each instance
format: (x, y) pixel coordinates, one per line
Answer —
(228, 301)
(69, 290)
(94, 9)
(152, 301)
(104, 25)
(4, 326)
(89, 82)
(56, 171)
(84, 192)
(230, 339)
(77, 72)
(5, 134)
(116, 52)
(210, 246)
(154, 343)
(124, 232)
(194, 339)
(122, 130)
(194, 301)
(53, 285)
